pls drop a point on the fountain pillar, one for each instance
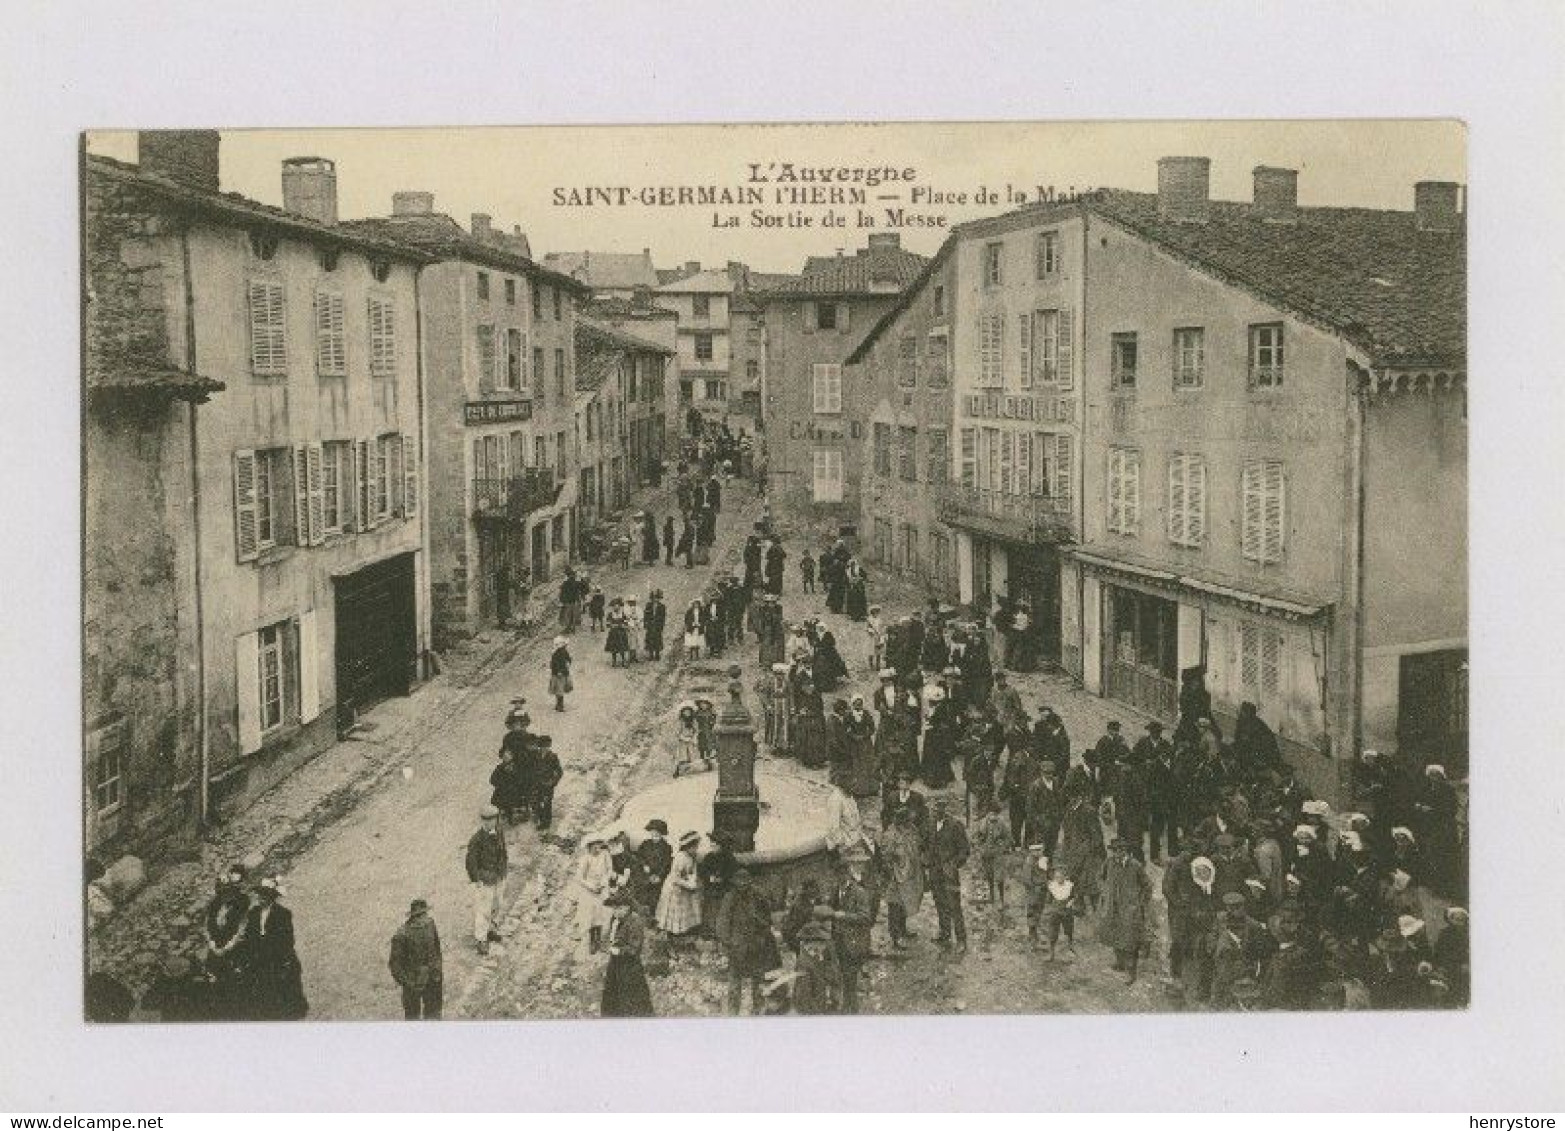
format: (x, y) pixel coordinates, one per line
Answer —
(736, 808)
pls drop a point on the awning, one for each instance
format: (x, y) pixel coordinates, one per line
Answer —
(1271, 603)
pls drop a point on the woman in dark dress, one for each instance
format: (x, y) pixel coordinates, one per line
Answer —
(857, 603)
(617, 645)
(625, 989)
(649, 539)
(271, 963)
(829, 669)
(940, 743)
(809, 725)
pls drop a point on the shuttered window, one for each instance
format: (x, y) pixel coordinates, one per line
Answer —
(1263, 490)
(828, 475)
(1052, 466)
(514, 353)
(826, 380)
(907, 362)
(336, 486)
(937, 360)
(268, 329)
(991, 350)
(486, 356)
(1187, 500)
(1007, 461)
(247, 537)
(1026, 323)
(1260, 658)
(409, 449)
(1189, 357)
(386, 474)
(1124, 490)
(331, 351)
(994, 259)
(363, 472)
(938, 465)
(882, 449)
(383, 337)
(1123, 362)
(907, 454)
(1048, 254)
(969, 457)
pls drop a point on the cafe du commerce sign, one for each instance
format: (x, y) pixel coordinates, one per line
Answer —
(496, 412)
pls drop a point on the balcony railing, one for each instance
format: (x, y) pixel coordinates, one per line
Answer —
(1025, 518)
(516, 496)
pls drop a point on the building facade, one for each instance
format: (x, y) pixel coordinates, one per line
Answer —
(1015, 500)
(622, 426)
(813, 419)
(607, 274)
(500, 406)
(704, 345)
(309, 594)
(1255, 465)
(904, 370)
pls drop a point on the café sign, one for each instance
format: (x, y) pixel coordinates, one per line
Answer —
(496, 412)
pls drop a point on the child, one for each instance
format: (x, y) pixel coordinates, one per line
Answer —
(1060, 907)
(595, 608)
(817, 988)
(592, 888)
(687, 739)
(1035, 879)
(549, 772)
(877, 639)
(992, 838)
(807, 572)
(706, 729)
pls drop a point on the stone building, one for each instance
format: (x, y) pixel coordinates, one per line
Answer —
(263, 552)
(622, 426)
(1014, 502)
(903, 368)
(1276, 454)
(812, 418)
(607, 274)
(500, 407)
(704, 344)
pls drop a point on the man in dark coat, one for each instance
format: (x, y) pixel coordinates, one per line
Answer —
(487, 864)
(1021, 770)
(1156, 754)
(901, 795)
(850, 913)
(654, 619)
(654, 858)
(1254, 744)
(669, 540)
(948, 852)
(1045, 808)
(416, 964)
(1133, 806)
(744, 928)
(776, 561)
(1050, 740)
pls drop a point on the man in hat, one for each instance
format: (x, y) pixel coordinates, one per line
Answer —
(850, 913)
(1240, 946)
(655, 623)
(1045, 806)
(487, 863)
(547, 773)
(744, 928)
(416, 964)
(1126, 893)
(1105, 759)
(948, 852)
(1156, 755)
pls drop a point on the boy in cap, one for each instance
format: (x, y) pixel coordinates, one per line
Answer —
(416, 964)
(487, 862)
(547, 774)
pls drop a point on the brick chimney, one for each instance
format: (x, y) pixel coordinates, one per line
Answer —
(187, 156)
(885, 241)
(1276, 194)
(310, 188)
(1184, 188)
(1437, 206)
(411, 203)
(481, 229)
(692, 267)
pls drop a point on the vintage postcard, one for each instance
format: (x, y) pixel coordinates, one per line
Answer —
(776, 569)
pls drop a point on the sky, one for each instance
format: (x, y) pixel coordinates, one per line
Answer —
(516, 174)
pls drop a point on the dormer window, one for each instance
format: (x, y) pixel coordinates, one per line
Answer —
(329, 257)
(381, 270)
(263, 245)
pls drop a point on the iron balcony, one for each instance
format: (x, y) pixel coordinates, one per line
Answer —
(1036, 519)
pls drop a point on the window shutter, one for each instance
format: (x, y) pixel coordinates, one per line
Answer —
(247, 689)
(410, 474)
(842, 318)
(1176, 499)
(309, 669)
(244, 505)
(1251, 540)
(1271, 661)
(316, 492)
(1065, 329)
(395, 481)
(1272, 545)
(486, 358)
(1007, 458)
(268, 342)
(1249, 655)
(1132, 492)
(366, 484)
(1117, 491)
(1063, 479)
(1195, 501)
(811, 320)
(1024, 482)
(299, 470)
(347, 485)
(1026, 321)
(331, 359)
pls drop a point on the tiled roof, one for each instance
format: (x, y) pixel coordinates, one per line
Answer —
(717, 282)
(612, 306)
(604, 269)
(241, 210)
(126, 374)
(1398, 293)
(595, 335)
(903, 302)
(869, 271)
(441, 237)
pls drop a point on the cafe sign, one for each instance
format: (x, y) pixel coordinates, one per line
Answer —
(496, 412)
